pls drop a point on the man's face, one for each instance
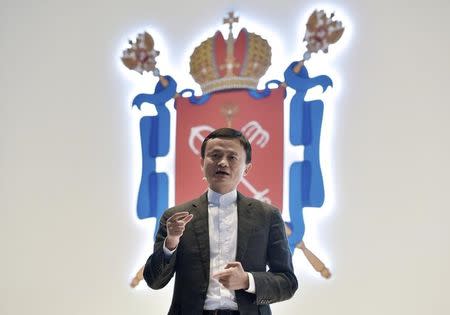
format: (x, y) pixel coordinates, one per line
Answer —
(224, 164)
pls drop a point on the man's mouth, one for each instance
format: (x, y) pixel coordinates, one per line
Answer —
(219, 172)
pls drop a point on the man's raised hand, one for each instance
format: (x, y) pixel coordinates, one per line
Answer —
(175, 226)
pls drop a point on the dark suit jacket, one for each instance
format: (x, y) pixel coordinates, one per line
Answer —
(261, 242)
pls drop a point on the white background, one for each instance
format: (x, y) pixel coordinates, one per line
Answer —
(70, 239)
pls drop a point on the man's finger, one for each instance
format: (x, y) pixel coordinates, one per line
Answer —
(221, 274)
(224, 282)
(233, 264)
(178, 216)
(187, 218)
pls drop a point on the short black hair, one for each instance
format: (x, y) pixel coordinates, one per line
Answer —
(229, 133)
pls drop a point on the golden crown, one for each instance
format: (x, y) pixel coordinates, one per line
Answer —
(218, 64)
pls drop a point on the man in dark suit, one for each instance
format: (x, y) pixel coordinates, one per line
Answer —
(220, 245)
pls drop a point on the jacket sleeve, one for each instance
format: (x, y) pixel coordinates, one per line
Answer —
(158, 269)
(279, 282)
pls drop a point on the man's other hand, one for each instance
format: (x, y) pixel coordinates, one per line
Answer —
(233, 277)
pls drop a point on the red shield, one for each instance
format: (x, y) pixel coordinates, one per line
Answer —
(260, 120)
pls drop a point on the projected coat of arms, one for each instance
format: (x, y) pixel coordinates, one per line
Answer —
(228, 71)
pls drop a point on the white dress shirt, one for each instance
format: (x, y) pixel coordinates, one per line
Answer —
(222, 221)
(223, 226)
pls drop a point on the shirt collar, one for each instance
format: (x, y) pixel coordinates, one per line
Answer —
(222, 200)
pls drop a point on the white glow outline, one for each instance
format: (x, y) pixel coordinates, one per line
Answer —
(319, 64)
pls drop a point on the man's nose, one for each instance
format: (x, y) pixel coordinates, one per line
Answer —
(223, 162)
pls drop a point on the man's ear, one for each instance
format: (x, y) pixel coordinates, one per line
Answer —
(201, 163)
(247, 168)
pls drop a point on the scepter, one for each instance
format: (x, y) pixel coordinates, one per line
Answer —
(321, 32)
(141, 57)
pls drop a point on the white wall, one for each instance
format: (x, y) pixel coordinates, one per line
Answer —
(70, 239)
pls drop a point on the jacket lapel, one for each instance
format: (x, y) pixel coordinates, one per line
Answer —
(201, 228)
(245, 224)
